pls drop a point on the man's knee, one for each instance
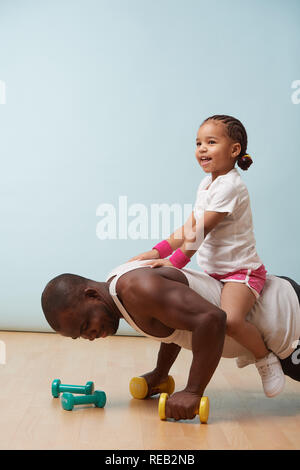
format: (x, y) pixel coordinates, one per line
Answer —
(217, 318)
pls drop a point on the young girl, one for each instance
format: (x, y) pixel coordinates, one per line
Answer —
(221, 223)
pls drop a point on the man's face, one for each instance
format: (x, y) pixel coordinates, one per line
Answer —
(90, 321)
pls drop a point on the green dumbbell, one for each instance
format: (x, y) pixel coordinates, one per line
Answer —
(57, 388)
(68, 400)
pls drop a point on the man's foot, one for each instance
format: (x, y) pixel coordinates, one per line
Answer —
(272, 375)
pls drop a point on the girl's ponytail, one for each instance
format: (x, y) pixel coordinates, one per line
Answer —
(244, 161)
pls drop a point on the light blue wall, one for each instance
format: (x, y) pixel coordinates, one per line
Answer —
(104, 98)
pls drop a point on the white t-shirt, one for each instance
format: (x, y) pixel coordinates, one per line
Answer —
(276, 313)
(230, 246)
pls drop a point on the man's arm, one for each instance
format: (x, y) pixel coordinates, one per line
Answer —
(167, 355)
(178, 306)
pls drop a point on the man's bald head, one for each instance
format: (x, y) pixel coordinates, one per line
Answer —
(63, 293)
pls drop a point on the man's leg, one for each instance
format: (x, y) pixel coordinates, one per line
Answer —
(291, 365)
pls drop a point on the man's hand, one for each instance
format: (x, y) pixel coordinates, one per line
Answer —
(154, 379)
(158, 263)
(182, 405)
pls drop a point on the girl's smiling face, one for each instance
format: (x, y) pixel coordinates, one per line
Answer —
(215, 150)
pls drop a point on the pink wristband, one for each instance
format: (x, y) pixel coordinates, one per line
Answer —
(164, 249)
(179, 259)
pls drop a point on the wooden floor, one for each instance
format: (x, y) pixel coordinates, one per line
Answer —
(241, 417)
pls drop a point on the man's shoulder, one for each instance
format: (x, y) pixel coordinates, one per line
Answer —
(147, 285)
(138, 281)
(122, 269)
(135, 271)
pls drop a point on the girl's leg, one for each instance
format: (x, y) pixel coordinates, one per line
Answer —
(237, 300)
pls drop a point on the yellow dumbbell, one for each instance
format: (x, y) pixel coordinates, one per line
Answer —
(139, 388)
(203, 411)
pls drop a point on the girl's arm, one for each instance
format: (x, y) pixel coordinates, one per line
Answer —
(197, 231)
(175, 241)
(193, 235)
(177, 238)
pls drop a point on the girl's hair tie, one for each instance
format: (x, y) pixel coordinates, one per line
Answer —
(244, 161)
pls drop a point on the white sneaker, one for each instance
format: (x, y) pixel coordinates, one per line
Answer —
(272, 376)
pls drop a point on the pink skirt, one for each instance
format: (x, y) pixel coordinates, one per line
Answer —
(254, 279)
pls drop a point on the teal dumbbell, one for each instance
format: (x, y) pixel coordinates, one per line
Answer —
(57, 388)
(68, 400)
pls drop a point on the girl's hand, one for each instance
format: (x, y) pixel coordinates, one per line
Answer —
(158, 263)
(152, 254)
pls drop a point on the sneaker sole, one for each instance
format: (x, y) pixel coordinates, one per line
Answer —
(274, 394)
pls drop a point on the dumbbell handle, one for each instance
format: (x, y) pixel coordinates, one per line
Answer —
(85, 399)
(73, 388)
(202, 411)
(138, 387)
(165, 386)
(58, 387)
